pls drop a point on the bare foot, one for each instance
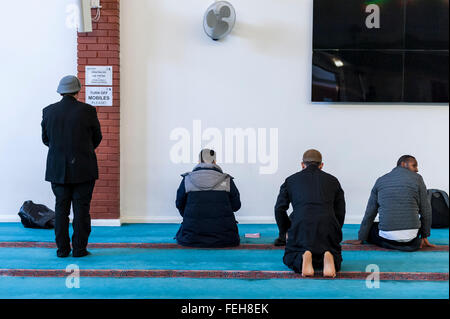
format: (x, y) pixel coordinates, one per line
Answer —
(425, 243)
(328, 265)
(307, 267)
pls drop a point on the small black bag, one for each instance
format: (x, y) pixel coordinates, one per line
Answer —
(439, 206)
(36, 216)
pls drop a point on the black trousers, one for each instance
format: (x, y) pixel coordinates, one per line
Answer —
(79, 196)
(376, 239)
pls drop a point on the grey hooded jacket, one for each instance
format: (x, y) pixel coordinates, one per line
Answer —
(206, 177)
(207, 199)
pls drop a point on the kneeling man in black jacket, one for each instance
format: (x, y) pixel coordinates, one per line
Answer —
(207, 199)
(314, 229)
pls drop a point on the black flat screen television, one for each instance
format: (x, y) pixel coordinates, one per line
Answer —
(386, 51)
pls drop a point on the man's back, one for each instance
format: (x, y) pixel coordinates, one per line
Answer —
(399, 199)
(72, 132)
(319, 210)
(207, 199)
(312, 189)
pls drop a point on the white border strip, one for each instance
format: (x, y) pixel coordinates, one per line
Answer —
(177, 220)
(94, 222)
(241, 220)
(167, 220)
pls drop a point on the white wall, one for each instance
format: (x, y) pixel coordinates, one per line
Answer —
(259, 77)
(36, 49)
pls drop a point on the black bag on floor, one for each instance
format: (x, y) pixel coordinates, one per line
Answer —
(36, 216)
(439, 205)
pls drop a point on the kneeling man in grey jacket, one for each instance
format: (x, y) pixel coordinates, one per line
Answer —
(400, 199)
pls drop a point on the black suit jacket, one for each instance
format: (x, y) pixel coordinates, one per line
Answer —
(319, 211)
(72, 132)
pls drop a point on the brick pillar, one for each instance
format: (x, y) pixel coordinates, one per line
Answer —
(98, 48)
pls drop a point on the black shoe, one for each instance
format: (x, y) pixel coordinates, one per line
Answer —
(63, 254)
(81, 254)
(280, 242)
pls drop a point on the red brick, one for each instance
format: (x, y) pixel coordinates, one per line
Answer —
(113, 157)
(113, 47)
(108, 150)
(105, 190)
(113, 143)
(87, 54)
(108, 54)
(82, 40)
(102, 184)
(97, 61)
(108, 40)
(110, 177)
(100, 196)
(102, 157)
(111, 136)
(113, 170)
(110, 163)
(105, 216)
(114, 129)
(108, 12)
(114, 116)
(97, 47)
(114, 210)
(110, 109)
(109, 122)
(99, 33)
(113, 196)
(99, 209)
(113, 19)
(114, 61)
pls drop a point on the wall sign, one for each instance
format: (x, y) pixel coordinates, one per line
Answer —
(99, 96)
(99, 75)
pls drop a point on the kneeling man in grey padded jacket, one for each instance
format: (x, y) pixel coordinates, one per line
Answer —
(400, 199)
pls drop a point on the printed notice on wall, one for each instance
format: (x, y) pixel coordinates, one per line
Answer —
(99, 96)
(99, 75)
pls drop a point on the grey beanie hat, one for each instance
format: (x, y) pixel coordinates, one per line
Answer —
(207, 156)
(69, 84)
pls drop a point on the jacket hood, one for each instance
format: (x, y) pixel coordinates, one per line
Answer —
(206, 176)
(207, 166)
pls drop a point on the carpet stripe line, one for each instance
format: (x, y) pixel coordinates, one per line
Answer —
(345, 247)
(220, 274)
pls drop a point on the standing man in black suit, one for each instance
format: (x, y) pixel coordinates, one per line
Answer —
(72, 132)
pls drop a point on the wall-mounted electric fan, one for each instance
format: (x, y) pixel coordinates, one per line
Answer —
(219, 20)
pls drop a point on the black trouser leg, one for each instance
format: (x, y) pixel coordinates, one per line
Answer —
(376, 239)
(63, 194)
(81, 201)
